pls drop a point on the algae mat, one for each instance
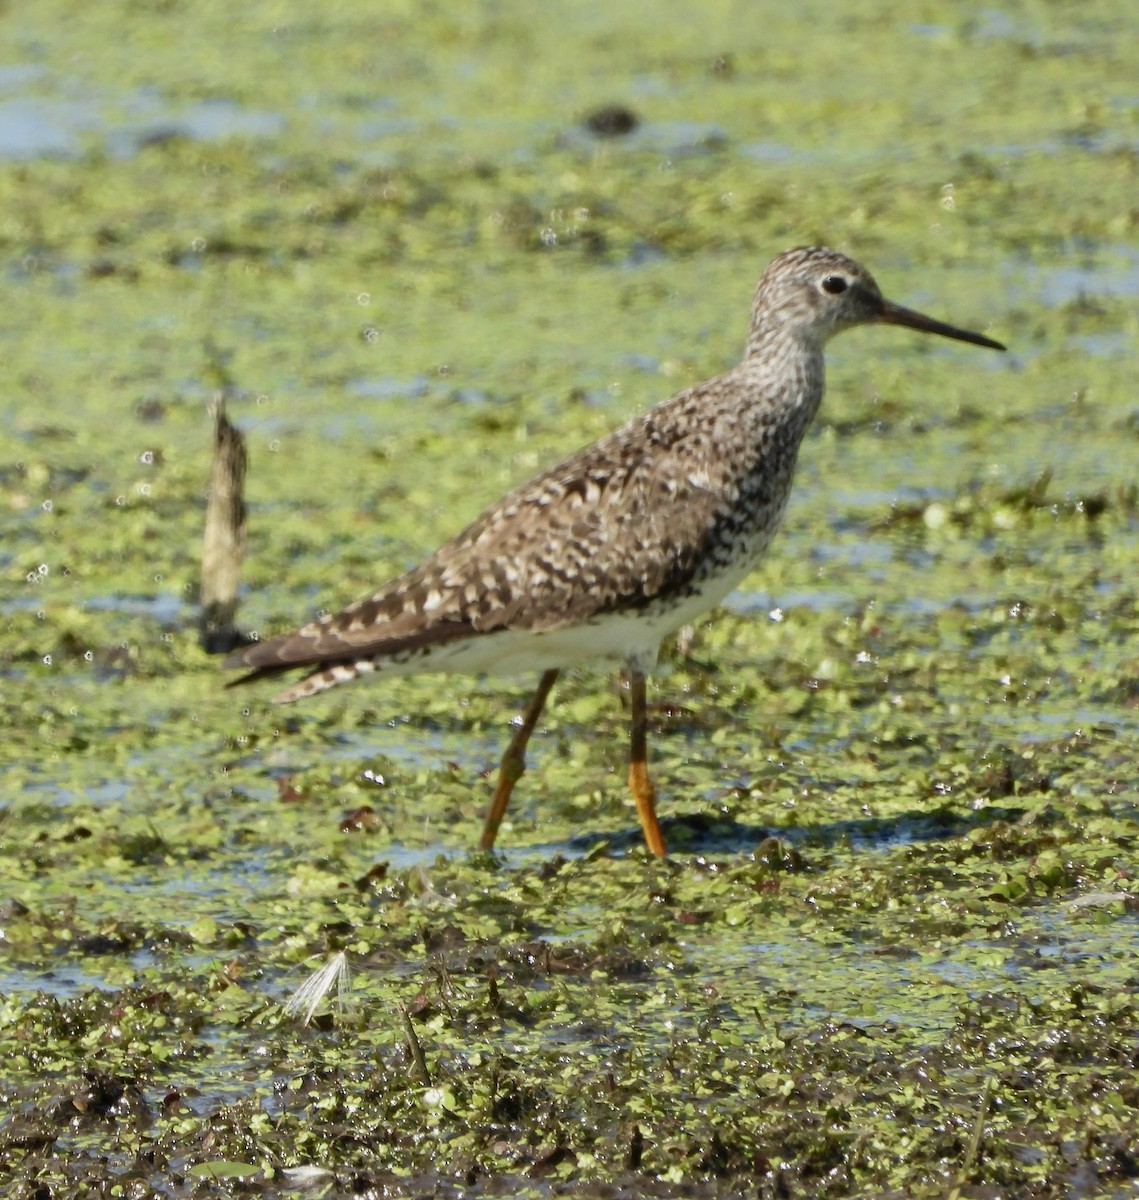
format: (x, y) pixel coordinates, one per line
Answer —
(894, 950)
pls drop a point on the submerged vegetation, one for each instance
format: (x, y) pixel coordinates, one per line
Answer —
(894, 950)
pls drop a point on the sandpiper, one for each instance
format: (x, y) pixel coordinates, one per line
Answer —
(608, 552)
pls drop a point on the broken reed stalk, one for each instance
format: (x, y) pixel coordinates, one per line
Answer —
(418, 1058)
(972, 1150)
(223, 545)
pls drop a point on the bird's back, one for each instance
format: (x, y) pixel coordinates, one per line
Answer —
(679, 500)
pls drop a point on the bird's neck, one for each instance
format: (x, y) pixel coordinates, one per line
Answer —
(788, 366)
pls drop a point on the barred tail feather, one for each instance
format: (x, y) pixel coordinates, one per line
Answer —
(325, 678)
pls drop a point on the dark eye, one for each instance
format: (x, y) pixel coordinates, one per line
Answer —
(834, 284)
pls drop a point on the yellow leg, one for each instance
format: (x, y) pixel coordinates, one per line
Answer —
(514, 761)
(639, 782)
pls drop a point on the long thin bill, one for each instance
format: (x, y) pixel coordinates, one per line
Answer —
(895, 314)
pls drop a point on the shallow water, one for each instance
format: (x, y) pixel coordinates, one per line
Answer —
(890, 769)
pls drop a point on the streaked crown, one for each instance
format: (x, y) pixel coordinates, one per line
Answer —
(812, 293)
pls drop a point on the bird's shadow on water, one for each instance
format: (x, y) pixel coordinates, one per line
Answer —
(703, 835)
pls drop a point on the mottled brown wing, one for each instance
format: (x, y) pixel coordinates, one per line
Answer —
(624, 521)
